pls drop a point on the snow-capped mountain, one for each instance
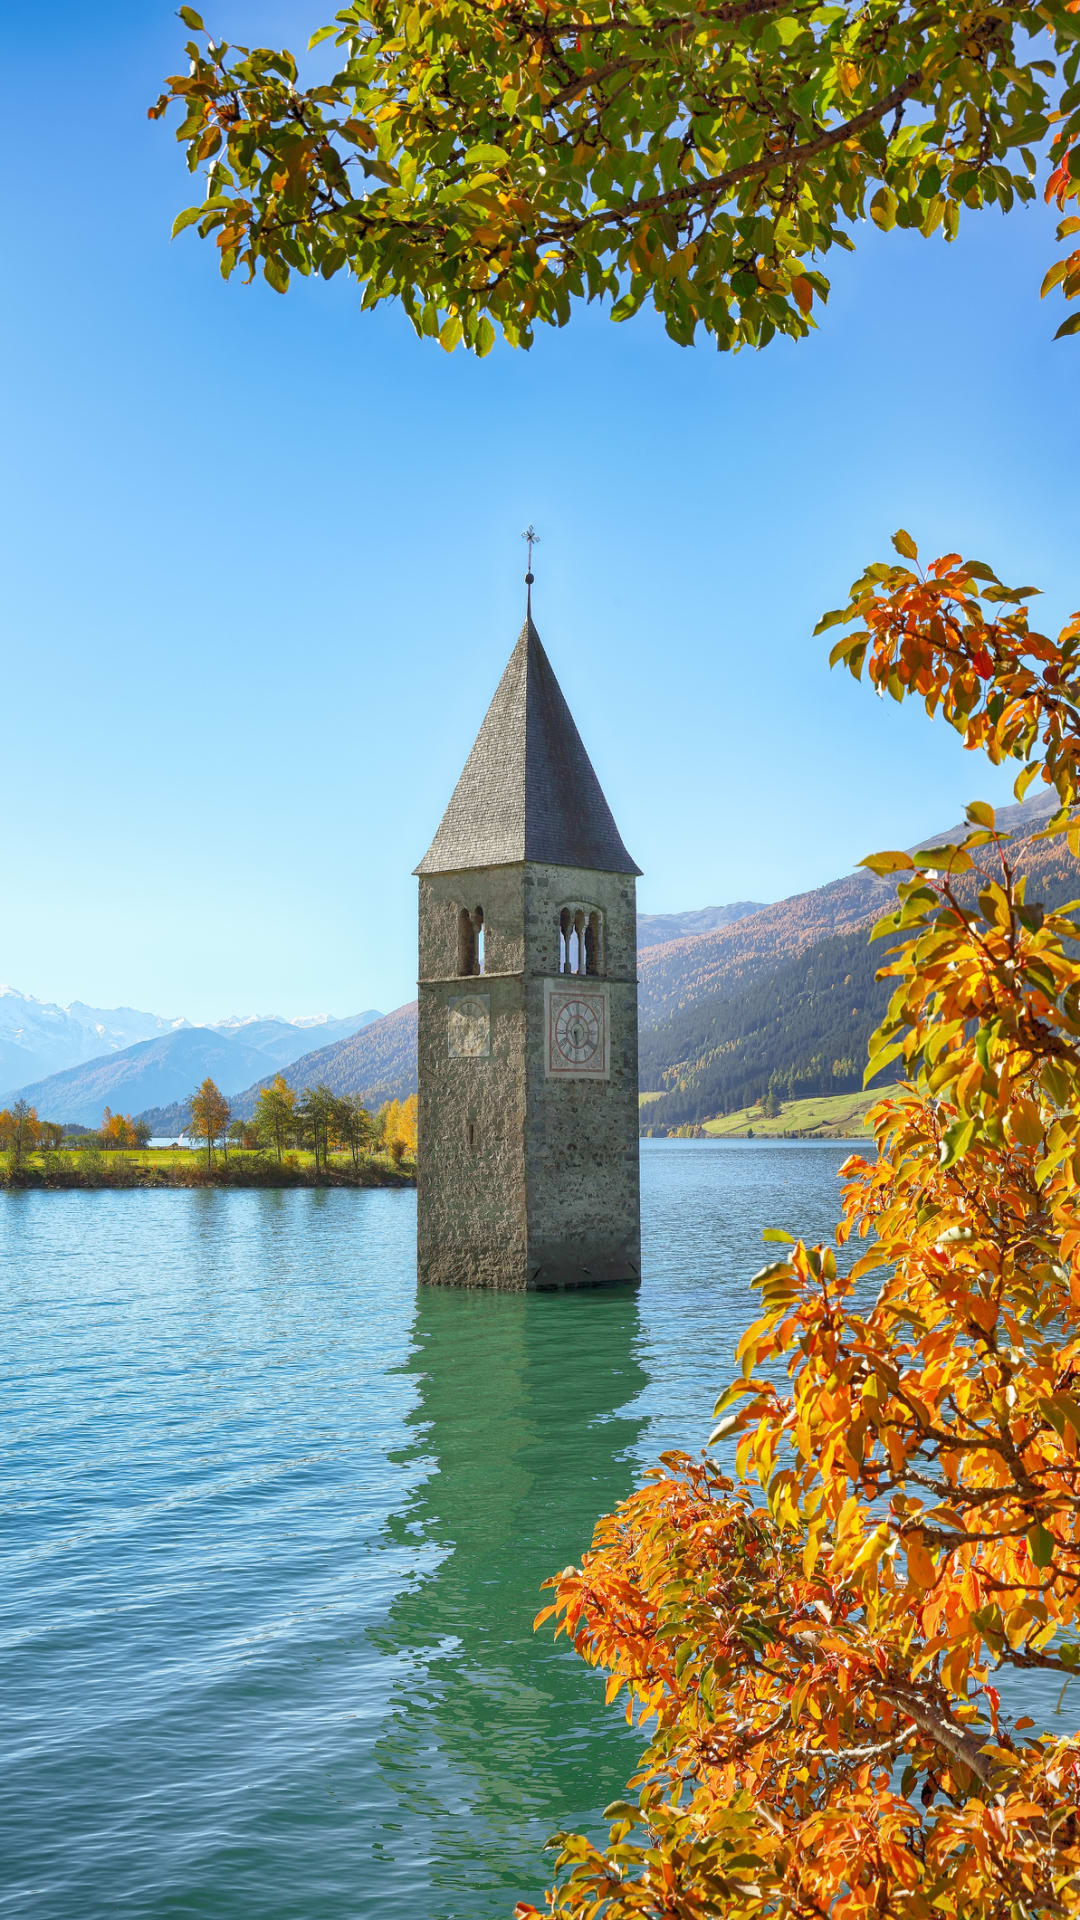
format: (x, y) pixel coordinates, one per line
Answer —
(274, 1034)
(38, 1038)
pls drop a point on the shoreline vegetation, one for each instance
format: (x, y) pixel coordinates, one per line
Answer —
(313, 1139)
(81, 1166)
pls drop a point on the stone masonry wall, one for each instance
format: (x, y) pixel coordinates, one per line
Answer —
(471, 1217)
(525, 1180)
(581, 1147)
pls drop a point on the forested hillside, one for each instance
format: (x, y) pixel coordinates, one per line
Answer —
(801, 1025)
(653, 929)
(376, 1064)
(686, 973)
(681, 973)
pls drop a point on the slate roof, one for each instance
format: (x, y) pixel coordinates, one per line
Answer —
(528, 790)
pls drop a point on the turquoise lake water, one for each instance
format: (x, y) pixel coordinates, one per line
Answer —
(274, 1525)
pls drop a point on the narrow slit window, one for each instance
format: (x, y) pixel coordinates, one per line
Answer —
(466, 955)
(478, 938)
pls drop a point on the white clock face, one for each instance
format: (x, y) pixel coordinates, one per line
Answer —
(577, 1033)
(469, 1026)
(577, 1025)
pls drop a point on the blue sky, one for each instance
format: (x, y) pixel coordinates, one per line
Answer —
(262, 561)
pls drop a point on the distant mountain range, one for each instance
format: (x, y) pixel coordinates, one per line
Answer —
(653, 929)
(738, 998)
(38, 1038)
(742, 997)
(378, 1063)
(156, 1070)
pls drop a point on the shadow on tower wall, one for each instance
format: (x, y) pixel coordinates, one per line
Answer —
(497, 1737)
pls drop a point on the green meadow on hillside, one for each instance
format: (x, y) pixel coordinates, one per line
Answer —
(834, 1116)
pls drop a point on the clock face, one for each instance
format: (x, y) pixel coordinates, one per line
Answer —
(577, 1031)
(469, 1026)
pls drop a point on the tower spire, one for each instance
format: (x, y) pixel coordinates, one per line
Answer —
(528, 790)
(530, 534)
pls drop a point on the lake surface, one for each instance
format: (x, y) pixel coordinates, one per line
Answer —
(275, 1524)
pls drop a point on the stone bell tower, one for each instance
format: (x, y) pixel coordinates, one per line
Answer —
(528, 1174)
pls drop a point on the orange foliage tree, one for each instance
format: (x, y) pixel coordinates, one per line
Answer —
(397, 1122)
(20, 1131)
(118, 1131)
(814, 1641)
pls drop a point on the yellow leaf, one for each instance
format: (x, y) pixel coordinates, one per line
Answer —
(921, 1568)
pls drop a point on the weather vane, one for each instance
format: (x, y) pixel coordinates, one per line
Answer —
(530, 534)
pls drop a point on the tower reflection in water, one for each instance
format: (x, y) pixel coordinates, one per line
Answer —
(524, 1434)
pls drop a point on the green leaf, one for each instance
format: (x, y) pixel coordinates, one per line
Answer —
(450, 332)
(943, 860)
(1071, 325)
(883, 210)
(882, 1058)
(981, 814)
(832, 619)
(1040, 1545)
(192, 19)
(956, 1142)
(185, 219)
(905, 545)
(774, 1269)
(486, 156)
(883, 863)
(777, 1233)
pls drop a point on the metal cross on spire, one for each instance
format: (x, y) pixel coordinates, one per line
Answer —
(530, 534)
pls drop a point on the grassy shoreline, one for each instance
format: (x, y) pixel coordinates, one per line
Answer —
(155, 1168)
(834, 1116)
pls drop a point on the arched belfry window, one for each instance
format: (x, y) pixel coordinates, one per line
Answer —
(470, 942)
(581, 940)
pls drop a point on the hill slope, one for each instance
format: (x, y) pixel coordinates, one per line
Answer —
(784, 995)
(38, 1038)
(150, 1074)
(684, 972)
(283, 1041)
(799, 1023)
(653, 929)
(376, 1064)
